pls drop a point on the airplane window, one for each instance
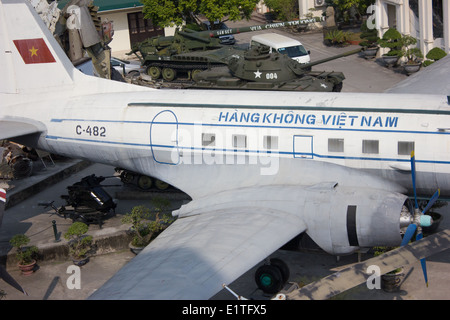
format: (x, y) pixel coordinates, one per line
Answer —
(239, 141)
(208, 139)
(370, 146)
(335, 145)
(270, 142)
(405, 148)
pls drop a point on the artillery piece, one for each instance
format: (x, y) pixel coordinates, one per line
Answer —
(166, 56)
(258, 69)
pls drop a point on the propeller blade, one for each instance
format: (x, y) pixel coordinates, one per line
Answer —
(413, 174)
(433, 199)
(423, 261)
(408, 234)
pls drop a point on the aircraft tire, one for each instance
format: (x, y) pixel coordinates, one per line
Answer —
(269, 279)
(284, 269)
(161, 185)
(144, 182)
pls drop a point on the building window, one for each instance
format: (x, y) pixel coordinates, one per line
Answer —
(208, 139)
(370, 146)
(239, 141)
(405, 148)
(438, 19)
(138, 24)
(270, 142)
(140, 28)
(335, 145)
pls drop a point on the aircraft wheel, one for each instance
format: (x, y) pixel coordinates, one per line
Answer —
(283, 267)
(169, 74)
(144, 182)
(161, 185)
(269, 279)
(154, 72)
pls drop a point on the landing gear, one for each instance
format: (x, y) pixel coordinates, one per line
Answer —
(271, 278)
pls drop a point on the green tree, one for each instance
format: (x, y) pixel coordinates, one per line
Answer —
(346, 9)
(166, 13)
(284, 9)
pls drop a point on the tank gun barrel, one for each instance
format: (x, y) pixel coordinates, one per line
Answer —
(223, 32)
(199, 36)
(345, 54)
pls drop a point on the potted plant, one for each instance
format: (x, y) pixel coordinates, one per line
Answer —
(80, 244)
(369, 41)
(392, 40)
(413, 55)
(147, 224)
(26, 256)
(391, 281)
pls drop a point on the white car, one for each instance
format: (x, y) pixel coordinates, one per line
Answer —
(127, 67)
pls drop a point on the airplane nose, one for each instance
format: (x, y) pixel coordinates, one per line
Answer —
(425, 220)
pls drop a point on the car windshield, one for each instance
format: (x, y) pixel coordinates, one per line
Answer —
(295, 51)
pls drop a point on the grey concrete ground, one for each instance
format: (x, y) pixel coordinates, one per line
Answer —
(50, 281)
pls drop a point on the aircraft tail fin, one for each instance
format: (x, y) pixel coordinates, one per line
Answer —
(30, 56)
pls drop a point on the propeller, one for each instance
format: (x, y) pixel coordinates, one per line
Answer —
(420, 218)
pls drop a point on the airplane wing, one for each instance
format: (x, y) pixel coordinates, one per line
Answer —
(198, 253)
(356, 274)
(10, 129)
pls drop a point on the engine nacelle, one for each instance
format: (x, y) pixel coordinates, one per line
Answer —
(352, 219)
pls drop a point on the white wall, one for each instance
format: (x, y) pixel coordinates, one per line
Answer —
(121, 39)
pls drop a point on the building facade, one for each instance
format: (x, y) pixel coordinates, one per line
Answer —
(426, 20)
(128, 23)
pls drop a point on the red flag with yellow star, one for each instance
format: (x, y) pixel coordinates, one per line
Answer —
(34, 51)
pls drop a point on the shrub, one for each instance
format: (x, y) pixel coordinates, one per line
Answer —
(337, 37)
(392, 39)
(436, 54)
(433, 55)
(79, 243)
(370, 36)
(147, 224)
(25, 255)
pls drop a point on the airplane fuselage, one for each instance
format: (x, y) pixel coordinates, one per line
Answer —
(258, 134)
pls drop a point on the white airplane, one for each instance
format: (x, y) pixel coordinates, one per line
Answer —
(261, 167)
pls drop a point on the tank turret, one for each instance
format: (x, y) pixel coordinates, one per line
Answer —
(257, 69)
(166, 56)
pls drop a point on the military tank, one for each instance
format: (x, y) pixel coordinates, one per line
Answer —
(166, 56)
(257, 69)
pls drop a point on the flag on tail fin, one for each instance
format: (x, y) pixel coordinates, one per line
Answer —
(34, 51)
